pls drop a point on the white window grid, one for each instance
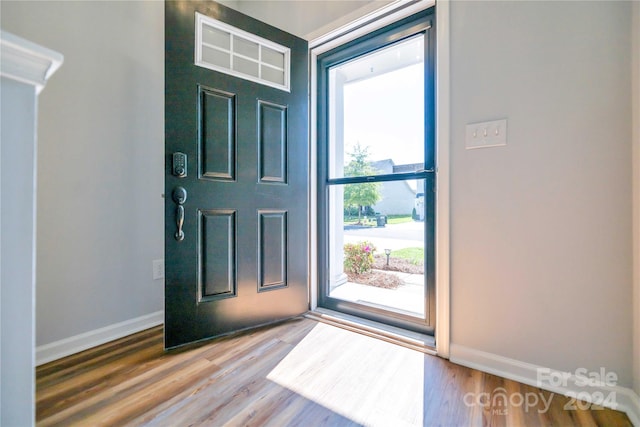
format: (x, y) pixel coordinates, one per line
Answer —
(234, 32)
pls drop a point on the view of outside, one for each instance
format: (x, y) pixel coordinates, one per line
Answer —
(377, 228)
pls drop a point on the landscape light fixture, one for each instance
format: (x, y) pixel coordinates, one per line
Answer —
(387, 253)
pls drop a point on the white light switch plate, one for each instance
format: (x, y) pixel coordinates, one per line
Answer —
(486, 134)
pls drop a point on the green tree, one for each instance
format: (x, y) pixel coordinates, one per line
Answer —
(364, 194)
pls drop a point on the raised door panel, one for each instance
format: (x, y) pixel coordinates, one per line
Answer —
(272, 250)
(272, 143)
(216, 134)
(216, 255)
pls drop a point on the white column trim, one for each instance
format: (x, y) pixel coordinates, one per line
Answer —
(313, 181)
(27, 62)
(22, 63)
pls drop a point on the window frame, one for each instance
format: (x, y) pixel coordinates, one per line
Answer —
(420, 23)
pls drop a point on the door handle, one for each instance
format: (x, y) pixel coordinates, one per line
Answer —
(179, 222)
(179, 196)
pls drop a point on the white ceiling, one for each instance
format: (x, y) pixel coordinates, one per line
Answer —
(306, 18)
(400, 55)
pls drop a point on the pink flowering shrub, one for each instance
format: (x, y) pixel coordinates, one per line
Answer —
(358, 257)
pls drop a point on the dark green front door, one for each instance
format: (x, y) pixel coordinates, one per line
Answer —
(241, 259)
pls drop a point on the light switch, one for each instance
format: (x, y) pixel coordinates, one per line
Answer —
(486, 134)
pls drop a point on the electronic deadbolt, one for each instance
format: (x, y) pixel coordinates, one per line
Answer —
(179, 166)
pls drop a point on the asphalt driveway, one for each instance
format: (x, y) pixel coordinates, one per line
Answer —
(391, 236)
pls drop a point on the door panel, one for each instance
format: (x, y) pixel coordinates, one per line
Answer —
(216, 254)
(243, 260)
(272, 144)
(217, 136)
(272, 250)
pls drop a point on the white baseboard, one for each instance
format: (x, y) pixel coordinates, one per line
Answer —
(626, 400)
(77, 343)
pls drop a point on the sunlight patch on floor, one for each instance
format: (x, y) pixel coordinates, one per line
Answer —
(369, 381)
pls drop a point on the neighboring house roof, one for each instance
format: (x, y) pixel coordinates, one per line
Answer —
(387, 166)
(411, 167)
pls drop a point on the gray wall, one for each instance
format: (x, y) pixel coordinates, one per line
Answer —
(100, 162)
(541, 259)
(636, 193)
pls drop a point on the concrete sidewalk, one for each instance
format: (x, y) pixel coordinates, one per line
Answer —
(408, 298)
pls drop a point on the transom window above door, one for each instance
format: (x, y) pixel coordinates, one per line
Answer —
(224, 48)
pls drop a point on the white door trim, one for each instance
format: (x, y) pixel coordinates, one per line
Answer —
(443, 128)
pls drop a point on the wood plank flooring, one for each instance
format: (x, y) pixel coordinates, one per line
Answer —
(298, 373)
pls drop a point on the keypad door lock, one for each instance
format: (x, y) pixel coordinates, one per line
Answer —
(179, 165)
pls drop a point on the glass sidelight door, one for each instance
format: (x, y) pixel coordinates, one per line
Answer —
(377, 175)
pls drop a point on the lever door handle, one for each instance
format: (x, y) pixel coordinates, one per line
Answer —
(179, 222)
(179, 196)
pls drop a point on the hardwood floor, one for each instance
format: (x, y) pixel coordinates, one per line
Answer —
(298, 373)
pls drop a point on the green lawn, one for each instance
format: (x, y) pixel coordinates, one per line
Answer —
(413, 255)
(371, 220)
(354, 221)
(398, 219)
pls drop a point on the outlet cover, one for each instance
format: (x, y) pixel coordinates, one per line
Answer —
(158, 269)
